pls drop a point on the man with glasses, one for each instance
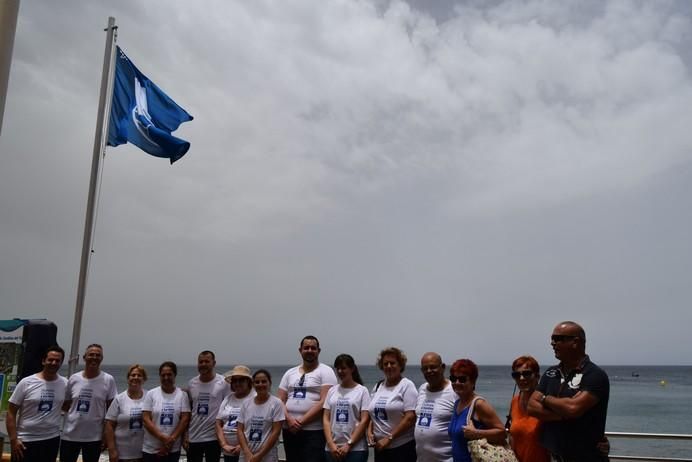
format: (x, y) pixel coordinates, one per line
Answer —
(572, 400)
(206, 391)
(434, 410)
(303, 389)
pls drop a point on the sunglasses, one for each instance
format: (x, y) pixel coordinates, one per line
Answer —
(562, 338)
(522, 374)
(459, 378)
(301, 382)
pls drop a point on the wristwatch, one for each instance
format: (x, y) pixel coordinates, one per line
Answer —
(543, 399)
(349, 442)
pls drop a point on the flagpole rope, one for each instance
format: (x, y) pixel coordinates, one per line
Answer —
(98, 202)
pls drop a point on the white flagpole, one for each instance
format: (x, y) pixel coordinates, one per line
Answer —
(9, 10)
(102, 119)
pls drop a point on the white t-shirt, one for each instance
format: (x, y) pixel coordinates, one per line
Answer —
(433, 413)
(129, 429)
(39, 402)
(257, 420)
(206, 398)
(228, 414)
(302, 397)
(84, 419)
(345, 406)
(165, 411)
(387, 408)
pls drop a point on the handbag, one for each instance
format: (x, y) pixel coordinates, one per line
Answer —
(482, 451)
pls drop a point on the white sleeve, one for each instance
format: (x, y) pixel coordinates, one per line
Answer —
(410, 396)
(364, 399)
(278, 411)
(148, 404)
(112, 389)
(185, 407)
(113, 410)
(328, 376)
(243, 412)
(283, 385)
(18, 394)
(327, 404)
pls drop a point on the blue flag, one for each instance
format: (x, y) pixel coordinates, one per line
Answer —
(143, 114)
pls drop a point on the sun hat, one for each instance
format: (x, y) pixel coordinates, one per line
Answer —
(238, 371)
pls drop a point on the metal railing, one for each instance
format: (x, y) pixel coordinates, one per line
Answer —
(649, 436)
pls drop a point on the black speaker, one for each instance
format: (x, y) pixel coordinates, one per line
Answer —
(39, 334)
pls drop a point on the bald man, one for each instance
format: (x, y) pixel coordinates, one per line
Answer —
(572, 399)
(434, 411)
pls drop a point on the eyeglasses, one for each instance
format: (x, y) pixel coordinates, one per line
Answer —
(301, 382)
(562, 338)
(459, 378)
(522, 374)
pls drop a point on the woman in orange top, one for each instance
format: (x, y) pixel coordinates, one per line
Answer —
(524, 431)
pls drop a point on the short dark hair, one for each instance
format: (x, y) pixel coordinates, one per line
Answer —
(262, 371)
(94, 345)
(207, 352)
(55, 348)
(309, 337)
(170, 364)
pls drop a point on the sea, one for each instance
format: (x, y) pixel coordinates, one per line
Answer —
(643, 399)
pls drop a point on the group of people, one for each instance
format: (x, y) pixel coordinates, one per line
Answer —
(321, 415)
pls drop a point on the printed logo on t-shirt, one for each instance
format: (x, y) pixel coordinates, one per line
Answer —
(232, 421)
(299, 392)
(203, 404)
(425, 416)
(136, 419)
(342, 407)
(380, 412)
(45, 404)
(84, 401)
(167, 412)
(256, 425)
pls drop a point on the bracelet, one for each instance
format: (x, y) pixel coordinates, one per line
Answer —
(543, 398)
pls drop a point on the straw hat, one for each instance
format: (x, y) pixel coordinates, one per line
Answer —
(238, 371)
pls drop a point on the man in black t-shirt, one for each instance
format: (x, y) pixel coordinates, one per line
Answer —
(572, 400)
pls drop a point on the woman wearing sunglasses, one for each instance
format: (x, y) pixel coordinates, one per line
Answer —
(484, 420)
(524, 429)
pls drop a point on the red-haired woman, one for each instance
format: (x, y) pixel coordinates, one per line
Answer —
(484, 421)
(524, 430)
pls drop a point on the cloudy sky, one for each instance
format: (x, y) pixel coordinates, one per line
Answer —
(455, 176)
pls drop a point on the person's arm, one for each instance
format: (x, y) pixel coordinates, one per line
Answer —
(357, 432)
(269, 443)
(11, 423)
(223, 443)
(370, 433)
(180, 428)
(244, 446)
(294, 424)
(315, 411)
(407, 421)
(570, 407)
(151, 427)
(536, 409)
(109, 437)
(329, 438)
(495, 433)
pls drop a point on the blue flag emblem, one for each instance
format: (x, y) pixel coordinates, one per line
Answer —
(142, 114)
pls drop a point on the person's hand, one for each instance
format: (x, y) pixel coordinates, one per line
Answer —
(382, 443)
(186, 443)
(471, 432)
(235, 450)
(17, 448)
(112, 454)
(343, 450)
(603, 446)
(370, 439)
(294, 425)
